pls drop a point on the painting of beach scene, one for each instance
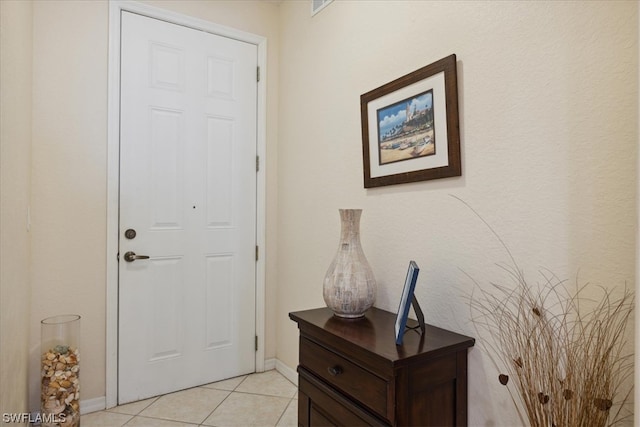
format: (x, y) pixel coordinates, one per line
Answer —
(405, 129)
(410, 129)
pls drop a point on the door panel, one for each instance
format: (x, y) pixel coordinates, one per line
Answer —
(188, 188)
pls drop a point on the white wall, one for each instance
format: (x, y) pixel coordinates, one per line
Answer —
(69, 178)
(549, 133)
(15, 170)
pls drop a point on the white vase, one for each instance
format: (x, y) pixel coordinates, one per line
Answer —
(349, 286)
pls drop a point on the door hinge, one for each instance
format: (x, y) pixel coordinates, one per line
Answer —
(258, 74)
(257, 252)
(256, 343)
(257, 163)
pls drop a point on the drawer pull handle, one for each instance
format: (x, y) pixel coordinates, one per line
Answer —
(335, 370)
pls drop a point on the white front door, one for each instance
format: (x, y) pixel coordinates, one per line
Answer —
(188, 193)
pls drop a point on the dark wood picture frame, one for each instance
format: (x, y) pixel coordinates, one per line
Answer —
(436, 86)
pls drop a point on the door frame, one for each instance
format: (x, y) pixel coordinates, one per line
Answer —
(113, 174)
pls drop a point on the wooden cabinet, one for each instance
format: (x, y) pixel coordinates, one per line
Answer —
(351, 373)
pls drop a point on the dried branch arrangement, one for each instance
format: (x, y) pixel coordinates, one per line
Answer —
(559, 351)
(563, 364)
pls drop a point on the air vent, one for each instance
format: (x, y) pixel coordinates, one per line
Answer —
(318, 5)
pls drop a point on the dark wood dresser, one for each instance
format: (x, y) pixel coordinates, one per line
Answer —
(351, 373)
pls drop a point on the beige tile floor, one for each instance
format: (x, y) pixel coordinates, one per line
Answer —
(264, 399)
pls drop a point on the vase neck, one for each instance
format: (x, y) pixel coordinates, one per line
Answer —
(350, 225)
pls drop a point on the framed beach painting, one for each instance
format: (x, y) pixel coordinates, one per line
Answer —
(410, 128)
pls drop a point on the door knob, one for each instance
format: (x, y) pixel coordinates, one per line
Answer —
(131, 256)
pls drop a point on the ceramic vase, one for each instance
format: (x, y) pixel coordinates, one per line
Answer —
(60, 369)
(349, 286)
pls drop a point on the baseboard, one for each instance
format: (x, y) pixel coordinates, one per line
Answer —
(287, 372)
(269, 364)
(93, 405)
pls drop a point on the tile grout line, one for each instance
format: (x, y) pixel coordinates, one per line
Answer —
(265, 394)
(153, 400)
(162, 419)
(284, 412)
(201, 423)
(214, 409)
(218, 405)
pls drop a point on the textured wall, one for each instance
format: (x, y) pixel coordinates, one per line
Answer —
(69, 179)
(549, 131)
(15, 167)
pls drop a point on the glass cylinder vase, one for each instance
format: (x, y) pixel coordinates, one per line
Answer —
(60, 368)
(349, 287)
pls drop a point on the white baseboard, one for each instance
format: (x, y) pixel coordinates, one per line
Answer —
(93, 405)
(269, 364)
(287, 372)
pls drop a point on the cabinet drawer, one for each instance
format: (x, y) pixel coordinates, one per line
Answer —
(362, 385)
(327, 407)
